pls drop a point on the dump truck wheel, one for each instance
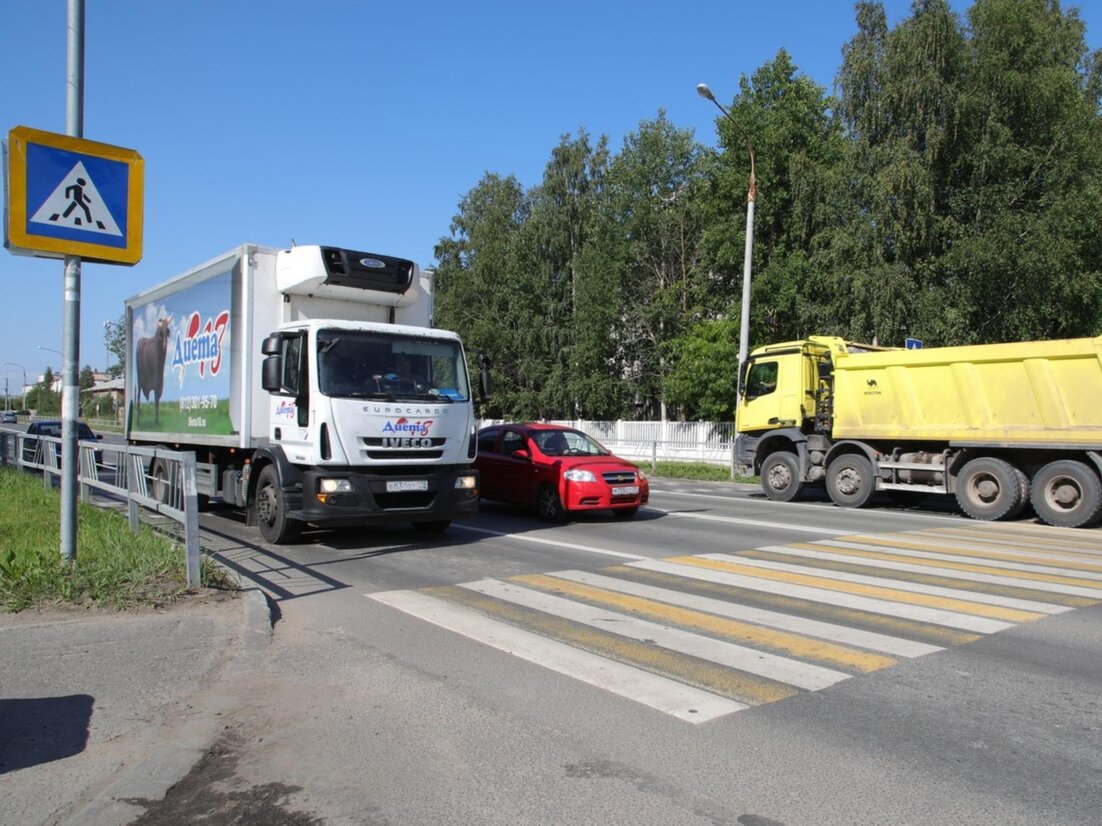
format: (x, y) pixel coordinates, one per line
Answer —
(780, 476)
(989, 489)
(271, 510)
(850, 480)
(1067, 494)
(1023, 493)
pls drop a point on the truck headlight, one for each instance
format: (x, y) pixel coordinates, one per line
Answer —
(579, 476)
(334, 486)
(465, 483)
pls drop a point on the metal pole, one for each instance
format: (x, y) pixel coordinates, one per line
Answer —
(751, 196)
(70, 387)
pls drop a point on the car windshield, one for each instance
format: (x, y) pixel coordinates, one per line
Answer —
(567, 443)
(358, 364)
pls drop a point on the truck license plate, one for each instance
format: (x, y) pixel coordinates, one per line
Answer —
(406, 484)
(628, 490)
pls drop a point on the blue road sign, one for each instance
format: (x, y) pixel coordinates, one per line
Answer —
(912, 343)
(70, 196)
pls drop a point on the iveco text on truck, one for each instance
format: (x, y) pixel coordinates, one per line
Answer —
(311, 387)
(998, 426)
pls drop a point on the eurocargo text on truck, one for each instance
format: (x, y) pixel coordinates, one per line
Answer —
(311, 387)
(998, 426)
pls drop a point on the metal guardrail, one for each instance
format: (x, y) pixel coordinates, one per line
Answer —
(144, 479)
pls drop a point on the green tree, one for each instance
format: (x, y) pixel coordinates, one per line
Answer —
(114, 340)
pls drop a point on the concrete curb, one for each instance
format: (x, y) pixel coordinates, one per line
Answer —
(149, 777)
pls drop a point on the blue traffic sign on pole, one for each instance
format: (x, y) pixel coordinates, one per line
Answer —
(912, 343)
(71, 196)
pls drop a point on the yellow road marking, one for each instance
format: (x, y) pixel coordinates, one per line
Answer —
(898, 626)
(778, 641)
(897, 542)
(874, 591)
(1012, 573)
(727, 682)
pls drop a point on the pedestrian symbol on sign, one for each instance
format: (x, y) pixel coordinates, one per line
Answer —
(75, 202)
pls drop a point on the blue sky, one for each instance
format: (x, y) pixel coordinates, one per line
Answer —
(355, 123)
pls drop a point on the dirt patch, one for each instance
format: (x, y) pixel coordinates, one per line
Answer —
(211, 794)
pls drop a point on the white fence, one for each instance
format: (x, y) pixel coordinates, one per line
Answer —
(710, 442)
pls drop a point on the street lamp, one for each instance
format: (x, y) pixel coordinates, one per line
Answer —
(24, 369)
(751, 196)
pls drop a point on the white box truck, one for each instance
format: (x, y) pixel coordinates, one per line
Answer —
(311, 387)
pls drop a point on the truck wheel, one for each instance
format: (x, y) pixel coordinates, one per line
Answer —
(271, 510)
(850, 480)
(1023, 493)
(161, 481)
(780, 476)
(549, 505)
(435, 526)
(989, 489)
(1067, 494)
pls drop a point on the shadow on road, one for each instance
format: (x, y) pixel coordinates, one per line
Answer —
(43, 729)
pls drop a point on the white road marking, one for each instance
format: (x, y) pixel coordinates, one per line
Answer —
(669, 696)
(793, 672)
(936, 616)
(772, 619)
(589, 549)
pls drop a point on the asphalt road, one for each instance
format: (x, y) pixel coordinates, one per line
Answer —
(718, 659)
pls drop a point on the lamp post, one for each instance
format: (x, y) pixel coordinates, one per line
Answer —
(24, 369)
(751, 196)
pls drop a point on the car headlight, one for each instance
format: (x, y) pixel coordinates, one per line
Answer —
(579, 476)
(642, 474)
(334, 486)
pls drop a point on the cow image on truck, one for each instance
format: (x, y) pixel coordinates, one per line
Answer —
(998, 426)
(279, 369)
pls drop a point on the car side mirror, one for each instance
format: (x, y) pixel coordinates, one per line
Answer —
(522, 454)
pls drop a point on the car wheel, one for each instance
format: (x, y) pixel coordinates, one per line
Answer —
(550, 505)
(271, 510)
(780, 476)
(850, 480)
(1067, 494)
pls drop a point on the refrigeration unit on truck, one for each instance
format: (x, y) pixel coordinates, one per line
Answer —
(998, 426)
(311, 387)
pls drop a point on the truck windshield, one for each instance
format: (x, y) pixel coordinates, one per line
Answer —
(366, 365)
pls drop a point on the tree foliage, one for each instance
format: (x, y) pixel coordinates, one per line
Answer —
(949, 189)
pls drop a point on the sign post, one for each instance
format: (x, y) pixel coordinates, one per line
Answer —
(70, 198)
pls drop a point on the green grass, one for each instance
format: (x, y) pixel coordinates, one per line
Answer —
(113, 567)
(695, 470)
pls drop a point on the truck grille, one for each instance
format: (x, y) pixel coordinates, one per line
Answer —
(389, 448)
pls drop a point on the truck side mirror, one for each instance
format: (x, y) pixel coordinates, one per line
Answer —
(271, 373)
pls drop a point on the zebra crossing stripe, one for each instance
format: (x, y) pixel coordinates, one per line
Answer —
(1044, 536)
(716, 572)
(833, 560)
(944, 584)
(780, 642)
(731, 655)
(989, 549)
(685, 702)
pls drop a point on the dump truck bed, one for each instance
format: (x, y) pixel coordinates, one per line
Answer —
(1041, 393)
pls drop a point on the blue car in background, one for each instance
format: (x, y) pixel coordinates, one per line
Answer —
(52, 427)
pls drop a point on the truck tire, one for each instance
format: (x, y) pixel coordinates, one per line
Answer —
(549, 505)
(989, 489)
(780, 476)
(850, 480)
(160, 482)
(1067, 494)
(271, 510)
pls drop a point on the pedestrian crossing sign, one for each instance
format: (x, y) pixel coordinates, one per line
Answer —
(71, 196)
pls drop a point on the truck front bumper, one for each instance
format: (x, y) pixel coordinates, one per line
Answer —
(342, 497)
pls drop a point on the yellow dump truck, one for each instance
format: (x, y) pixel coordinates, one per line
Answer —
(998, 426)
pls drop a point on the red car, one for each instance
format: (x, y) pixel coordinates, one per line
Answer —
(557, 469)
